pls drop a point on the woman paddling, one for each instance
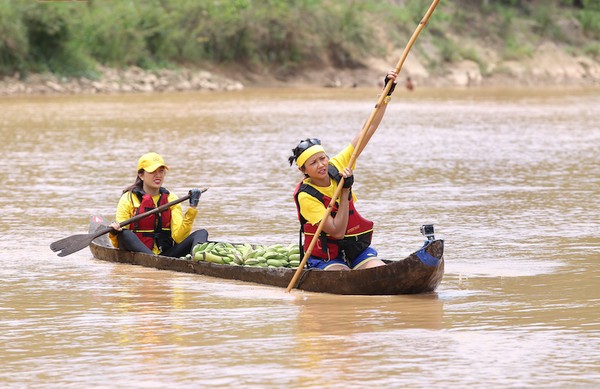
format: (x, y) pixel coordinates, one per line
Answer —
(345, 241)
(168, 233)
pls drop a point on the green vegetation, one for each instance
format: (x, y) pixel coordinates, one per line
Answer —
(73, 37)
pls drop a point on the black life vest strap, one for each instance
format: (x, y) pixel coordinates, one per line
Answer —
(158, 232)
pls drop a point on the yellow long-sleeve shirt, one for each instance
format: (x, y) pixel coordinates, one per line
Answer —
(181, 226)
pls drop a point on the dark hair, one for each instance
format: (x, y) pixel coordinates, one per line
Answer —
(139, 184)
(302, 146)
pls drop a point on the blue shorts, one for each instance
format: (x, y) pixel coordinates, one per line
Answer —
(323, 264)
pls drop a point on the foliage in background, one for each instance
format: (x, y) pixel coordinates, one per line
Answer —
(14, 45)
(72, 38)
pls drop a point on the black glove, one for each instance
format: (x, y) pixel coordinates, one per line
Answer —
(348, 181)
(194, 196)
(387, 79)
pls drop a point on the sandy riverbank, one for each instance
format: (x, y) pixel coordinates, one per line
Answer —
(548, 66)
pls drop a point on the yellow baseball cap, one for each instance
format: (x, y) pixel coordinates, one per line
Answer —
(150, 162)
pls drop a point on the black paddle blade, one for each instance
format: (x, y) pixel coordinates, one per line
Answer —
(59, 244)
(72, 244)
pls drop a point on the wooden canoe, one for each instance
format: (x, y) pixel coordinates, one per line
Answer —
(420, 272)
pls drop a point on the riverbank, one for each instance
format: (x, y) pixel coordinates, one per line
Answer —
(548, 66)
(130, 80)
(92, 48)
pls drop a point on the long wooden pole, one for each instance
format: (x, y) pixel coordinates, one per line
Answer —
(358, 148)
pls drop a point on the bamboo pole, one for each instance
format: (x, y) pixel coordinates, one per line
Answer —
(357, 149)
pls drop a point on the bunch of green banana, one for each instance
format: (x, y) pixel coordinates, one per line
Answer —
(276, 255)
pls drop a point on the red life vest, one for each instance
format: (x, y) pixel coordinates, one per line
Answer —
(155, 227)
(358, 231)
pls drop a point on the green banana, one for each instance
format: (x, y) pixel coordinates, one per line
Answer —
(275, 255)
(237, 258)
(274, 262)
(206, 246)
(199, 247)
(248, 250)
(210, 257)
(271, 255)
(259, 252)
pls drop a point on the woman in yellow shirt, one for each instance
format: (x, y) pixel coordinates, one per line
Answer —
(167, 233)
(345, 240)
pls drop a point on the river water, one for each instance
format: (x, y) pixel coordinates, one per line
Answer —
(510, 178)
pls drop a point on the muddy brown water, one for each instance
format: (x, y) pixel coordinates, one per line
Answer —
(510, 178)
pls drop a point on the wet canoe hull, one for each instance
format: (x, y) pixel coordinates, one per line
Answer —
(420, 272)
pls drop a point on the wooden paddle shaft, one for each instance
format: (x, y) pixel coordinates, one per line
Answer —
(74, 243)
(358, 147)
(163, 207)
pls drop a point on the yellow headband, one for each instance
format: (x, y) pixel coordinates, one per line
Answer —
(306, 154)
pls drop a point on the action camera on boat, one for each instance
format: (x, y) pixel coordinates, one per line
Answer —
(427, 231)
